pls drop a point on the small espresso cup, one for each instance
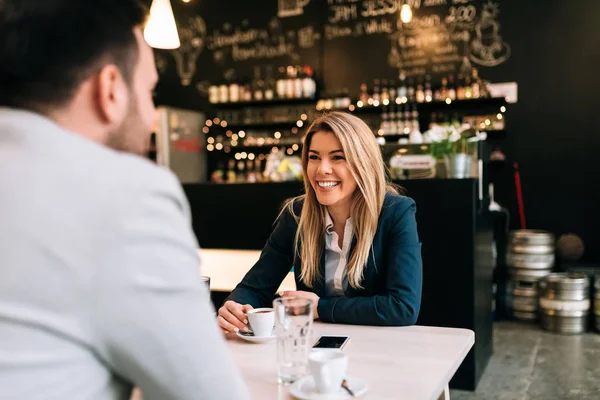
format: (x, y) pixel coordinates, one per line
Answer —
(328, 369)
(261, 321)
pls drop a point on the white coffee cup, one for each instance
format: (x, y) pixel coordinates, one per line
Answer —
(328, 369)
(261, 321)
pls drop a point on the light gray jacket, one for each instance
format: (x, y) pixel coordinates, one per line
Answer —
(99, 279)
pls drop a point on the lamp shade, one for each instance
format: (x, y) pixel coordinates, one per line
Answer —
(161, 30)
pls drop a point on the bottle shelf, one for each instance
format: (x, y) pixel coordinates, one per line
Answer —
(440, 105)
(262, 125)
(265, 103)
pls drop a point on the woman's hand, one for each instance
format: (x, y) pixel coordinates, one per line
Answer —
(306, 295)
(232, 316)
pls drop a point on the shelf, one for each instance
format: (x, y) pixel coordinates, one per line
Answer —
(265, 103)
(265, 146)
(262, 125)
(442, 105)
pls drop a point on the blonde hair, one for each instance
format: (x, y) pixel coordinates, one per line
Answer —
(366, 165)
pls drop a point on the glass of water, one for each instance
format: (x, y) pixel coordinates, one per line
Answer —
(293, 323)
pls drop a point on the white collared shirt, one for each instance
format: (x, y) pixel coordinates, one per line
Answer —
(336, 258)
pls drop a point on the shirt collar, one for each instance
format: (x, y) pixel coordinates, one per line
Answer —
(329, 223)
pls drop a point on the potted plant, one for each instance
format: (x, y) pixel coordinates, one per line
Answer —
(453, 149)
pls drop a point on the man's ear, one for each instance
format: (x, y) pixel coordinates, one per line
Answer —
(112, 95)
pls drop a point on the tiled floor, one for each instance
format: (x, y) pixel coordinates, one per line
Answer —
(531, 364)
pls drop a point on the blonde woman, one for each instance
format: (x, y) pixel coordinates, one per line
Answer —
(352, 239)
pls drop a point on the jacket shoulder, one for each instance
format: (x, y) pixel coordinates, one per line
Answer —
(396, 204)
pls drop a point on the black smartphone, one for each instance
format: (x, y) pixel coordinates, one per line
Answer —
(331, 342)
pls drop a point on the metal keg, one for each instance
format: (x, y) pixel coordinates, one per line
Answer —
(524, 303)
(564, 302)
(529, 257)
(530, 250)
(597, 302)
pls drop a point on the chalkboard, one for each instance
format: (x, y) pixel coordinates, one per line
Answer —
(346, 41)
(366, 39)
(227, 41)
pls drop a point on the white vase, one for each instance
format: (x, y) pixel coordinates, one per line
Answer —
(458, 165)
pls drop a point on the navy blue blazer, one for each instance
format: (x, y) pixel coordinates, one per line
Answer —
(392, 279)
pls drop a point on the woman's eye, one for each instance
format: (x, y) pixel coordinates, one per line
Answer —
(313, 157)
(338, 158)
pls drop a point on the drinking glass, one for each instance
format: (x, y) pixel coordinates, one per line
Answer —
(293, 324)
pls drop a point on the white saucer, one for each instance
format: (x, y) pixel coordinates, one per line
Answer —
(304, 389)
(256, 339)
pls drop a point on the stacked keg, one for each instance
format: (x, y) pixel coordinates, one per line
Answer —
(529, 257)
(565, 302)
(597, 302)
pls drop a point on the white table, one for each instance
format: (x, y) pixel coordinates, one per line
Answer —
(226, 268)
(413, 363)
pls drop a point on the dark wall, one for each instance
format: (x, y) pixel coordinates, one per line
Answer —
(552, 131)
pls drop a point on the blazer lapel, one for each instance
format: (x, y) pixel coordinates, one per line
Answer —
(349, 288)
(320, 285)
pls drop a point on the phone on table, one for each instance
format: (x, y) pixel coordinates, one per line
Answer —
(331, 342)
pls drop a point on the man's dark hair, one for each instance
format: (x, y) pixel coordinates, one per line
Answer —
(49, 47)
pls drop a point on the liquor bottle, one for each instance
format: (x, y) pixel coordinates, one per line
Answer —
(231, 175)
(402, 89)
(476, 84)
(392, 123)
(444, 89)
(364, 94)
(415, 119)
(251, 173)
(258, 84)
(460, 87)
(384, 126)
(298, 79)
(223, 93)
(399, 120)
(468, 88)
(213, 94)
(451, 88)
(258, 170)
(385, 94)
(392, 92)
(420, 92)
(411, 91)
(309, 85)
(269, 84)
(234, 92)
(217, 175)
(428, 91)
(241, 174)
(290, 82)
(407, 121)
(281, 83)
(376, 91)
